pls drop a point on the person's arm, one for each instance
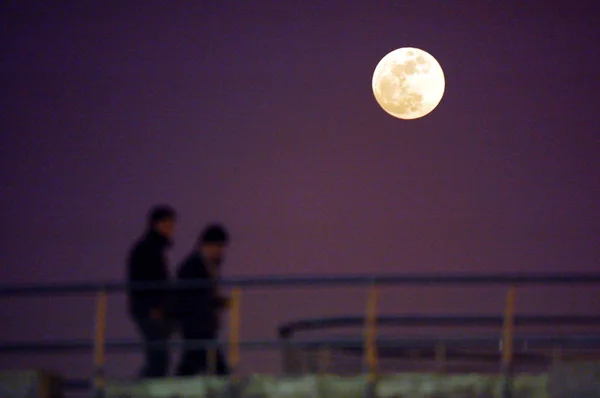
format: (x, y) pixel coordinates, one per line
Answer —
(145, 268)
(195, 299)
(223, 302)
(220, 301)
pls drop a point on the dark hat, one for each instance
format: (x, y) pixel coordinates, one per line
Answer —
(214, 233)
(160, 213)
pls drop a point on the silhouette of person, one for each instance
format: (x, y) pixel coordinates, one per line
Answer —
(150, 309)
(199, 309)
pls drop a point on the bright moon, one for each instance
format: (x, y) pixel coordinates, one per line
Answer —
(408, 83)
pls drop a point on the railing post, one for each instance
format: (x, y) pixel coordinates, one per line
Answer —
(234, 329)
(507, 341)
(556, 354)
(234, 339)
(324, 360)
(440, 357)
(99, 376)
(370, 339)
(211, 358)
(289, 355)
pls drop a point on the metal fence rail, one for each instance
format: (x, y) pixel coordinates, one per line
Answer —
(505, 340)
(488, 342)
(277, 281)
(287, 330)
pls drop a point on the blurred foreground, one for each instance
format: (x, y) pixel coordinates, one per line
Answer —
(564, 380)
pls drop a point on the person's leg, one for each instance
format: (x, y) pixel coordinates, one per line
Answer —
(222, 367)
(193, 360)
(155, 333)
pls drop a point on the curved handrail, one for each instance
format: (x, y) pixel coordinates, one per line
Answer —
(286, 330)
(325, 280)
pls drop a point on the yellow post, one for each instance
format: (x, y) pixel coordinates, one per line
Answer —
(507, 341)
(211, 360)
(440, 357)
(556, 354)
(370, 340)
(508, 328)
(324, 360)
(234, 328)
(99, 342)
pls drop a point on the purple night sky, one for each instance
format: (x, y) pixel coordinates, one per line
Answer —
(261, 115)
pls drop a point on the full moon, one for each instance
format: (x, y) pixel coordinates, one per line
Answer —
(408, 83)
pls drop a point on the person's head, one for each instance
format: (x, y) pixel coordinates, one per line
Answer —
(161, 219)
(212, 243)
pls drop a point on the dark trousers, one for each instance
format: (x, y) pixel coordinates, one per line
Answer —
(156, 333)
(196, 360)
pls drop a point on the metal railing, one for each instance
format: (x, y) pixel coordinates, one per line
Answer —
(288, 329)
(281, 281)
(370, 321)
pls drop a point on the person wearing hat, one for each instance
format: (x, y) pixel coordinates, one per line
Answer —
(199, 308)
(150, 309)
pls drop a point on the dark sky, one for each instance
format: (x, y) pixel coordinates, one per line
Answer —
(261, 115)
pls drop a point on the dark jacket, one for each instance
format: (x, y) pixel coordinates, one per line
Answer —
(147, 263)
(202, 304)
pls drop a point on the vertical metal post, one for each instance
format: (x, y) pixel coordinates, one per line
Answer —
(556, 354)
(370, 340)
(324, 360)
(211, 359)
(289, 358)
(440, 357)
(99, 376)
(507, 342)
(286, 353)
(234, 339)
(234, 329)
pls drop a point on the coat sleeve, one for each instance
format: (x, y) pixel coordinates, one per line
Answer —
(194, 300)
(144, 267)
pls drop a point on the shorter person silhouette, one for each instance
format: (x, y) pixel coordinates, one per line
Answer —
(199, 309)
